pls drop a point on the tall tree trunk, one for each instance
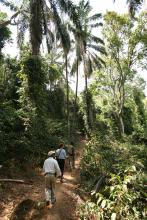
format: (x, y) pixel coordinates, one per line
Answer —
(67, 97)
(34, 62)
(35, 25)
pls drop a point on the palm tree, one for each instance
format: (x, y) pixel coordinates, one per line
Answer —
(133, 5)
(63, 36)
(53, 66)
(88, 46)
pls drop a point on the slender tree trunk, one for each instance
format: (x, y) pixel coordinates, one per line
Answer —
(77, 82)
(87, 99)
(120, 123)
(121, 105)
(67, 97)
(88, 122)
(86, 83)
(76, 95)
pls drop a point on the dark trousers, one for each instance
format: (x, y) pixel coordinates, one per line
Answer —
(61, 163)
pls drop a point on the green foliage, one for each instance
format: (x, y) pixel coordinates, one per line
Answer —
(9, 124)
(56, 103)
(88, 109)
(117, 89)
(123, 194)
(32, 117)
(124, 198)
(4, 31)
(9, 80)
(128, 120)
(98, 157)
(36, 79)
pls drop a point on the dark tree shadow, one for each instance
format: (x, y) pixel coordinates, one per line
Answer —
(26, 210)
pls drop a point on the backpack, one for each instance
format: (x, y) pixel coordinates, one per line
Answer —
(58, 154)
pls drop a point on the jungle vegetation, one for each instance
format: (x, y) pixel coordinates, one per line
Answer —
(39, 108)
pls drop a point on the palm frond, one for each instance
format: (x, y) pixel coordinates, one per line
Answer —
(96, 39)
(62, 29)
(9, 4)
(98, 61)
(100, 24)
(100, 49)
(134, 5)
(84, 7)
(74, 67)
(71, 9)
(95, 17)
(87, 5)
(50, 38)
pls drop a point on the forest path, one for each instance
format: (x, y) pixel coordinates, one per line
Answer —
(20, 203)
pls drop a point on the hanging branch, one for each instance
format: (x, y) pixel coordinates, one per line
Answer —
(5, 23)
(15, 181)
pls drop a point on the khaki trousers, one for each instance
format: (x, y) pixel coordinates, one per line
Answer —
(50, 181)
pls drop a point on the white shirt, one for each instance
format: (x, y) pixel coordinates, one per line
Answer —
(61, 153)
(51, 166)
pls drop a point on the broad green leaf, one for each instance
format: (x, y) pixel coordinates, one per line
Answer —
(103, 204)
(113, 216)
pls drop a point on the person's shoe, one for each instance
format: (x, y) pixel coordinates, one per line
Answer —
(53, 201)
(49, 205)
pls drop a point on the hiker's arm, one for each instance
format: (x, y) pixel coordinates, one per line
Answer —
(65, 155)
(58, 171)
(43, 170)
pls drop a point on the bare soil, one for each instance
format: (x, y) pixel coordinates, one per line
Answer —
(26, 201)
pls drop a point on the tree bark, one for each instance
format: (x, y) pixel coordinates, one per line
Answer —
(76, 94)
(86, 98)
(77, 81)
(121, 125)
(35, 26)
(67, 97)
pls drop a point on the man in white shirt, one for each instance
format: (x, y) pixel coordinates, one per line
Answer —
(51, 171)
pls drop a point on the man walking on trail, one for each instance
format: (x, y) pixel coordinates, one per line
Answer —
(72, 155)
(51, 171)
(61, 156)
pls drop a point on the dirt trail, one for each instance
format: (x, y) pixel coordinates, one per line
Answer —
(20, 202)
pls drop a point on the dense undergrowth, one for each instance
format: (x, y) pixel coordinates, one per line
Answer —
(115, 175)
